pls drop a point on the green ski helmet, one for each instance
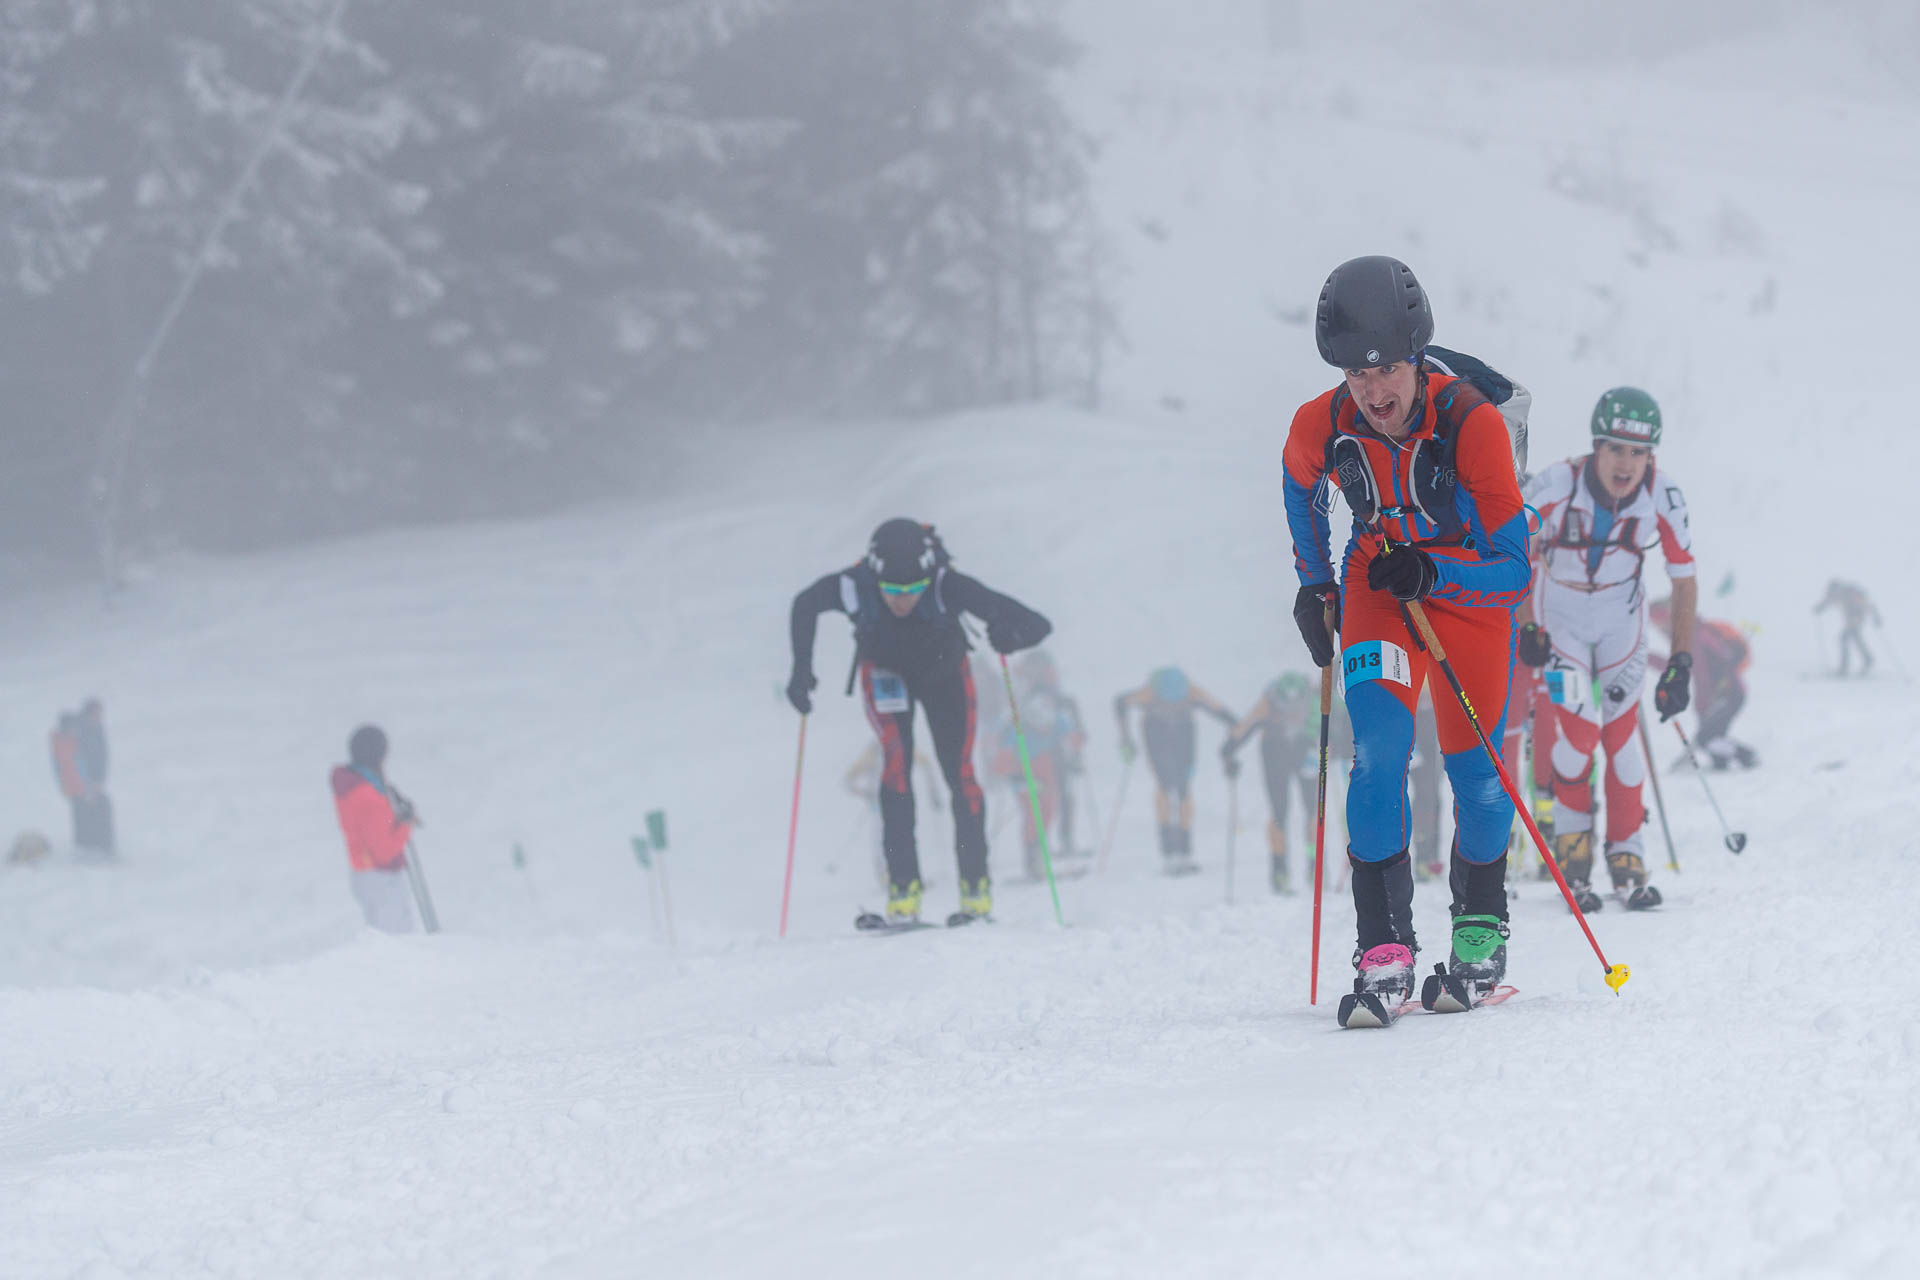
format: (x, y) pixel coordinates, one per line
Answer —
(1288, 687)
(1629, 415)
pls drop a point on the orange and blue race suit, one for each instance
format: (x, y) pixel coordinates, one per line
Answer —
(1478, 541)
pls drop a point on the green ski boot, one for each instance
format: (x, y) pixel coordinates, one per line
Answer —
(1474, 970)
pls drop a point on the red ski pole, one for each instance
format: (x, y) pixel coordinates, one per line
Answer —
(1617, 974)
(793, 827)
(1320, 823)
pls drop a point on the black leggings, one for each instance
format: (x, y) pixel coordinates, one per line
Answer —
(1170, 751)
(1717, 713)
(93, 823)
(1282, 756)
(1851, 639)
(947, 695)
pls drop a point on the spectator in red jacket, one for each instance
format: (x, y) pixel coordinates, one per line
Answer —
(377, 822)
(79, 748)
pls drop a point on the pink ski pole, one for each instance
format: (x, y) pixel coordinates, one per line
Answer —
(793, 827)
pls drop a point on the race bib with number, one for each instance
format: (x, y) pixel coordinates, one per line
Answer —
(1376, 660)
(1568, 689)
(889, 693)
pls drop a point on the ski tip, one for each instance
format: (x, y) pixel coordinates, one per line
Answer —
(1366, 1010)
(1617, 976)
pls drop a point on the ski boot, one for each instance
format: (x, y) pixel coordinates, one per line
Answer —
(1278, 877)
(1573, 850)
(976, 902)
(1543, 819)
(1030, 863)
(1277, 874)
(1478, 962)
(1384, 956)
(1479, 955)
(1382, 986)
(903, 903)
(1629, 872)
(1176, 847)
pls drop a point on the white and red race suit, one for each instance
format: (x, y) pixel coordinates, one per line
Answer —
(1589, 555)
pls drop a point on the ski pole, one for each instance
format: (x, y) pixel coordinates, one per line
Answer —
(1616, 974)
(1093, 800)
(417, 878)
(1659, 801)
(1113, 821)
(1320, 817)
(666, 900)
(1899, 663)
(1736, 840)
(1233, 826)
(1033, 790)
(793, 826)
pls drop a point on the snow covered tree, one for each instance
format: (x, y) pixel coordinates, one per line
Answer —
(279, 267)
(928, 220)
(580, 220)
(151, 113)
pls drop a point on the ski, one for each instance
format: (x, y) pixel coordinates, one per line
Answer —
(1075, 872)
(874, 922)
(1444, 993)
(1367, 1009)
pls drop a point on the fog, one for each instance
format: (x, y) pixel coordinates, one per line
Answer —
(497, 373)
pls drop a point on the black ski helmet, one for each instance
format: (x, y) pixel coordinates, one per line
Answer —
(368, 746)
(903, 551)
(1372, 313)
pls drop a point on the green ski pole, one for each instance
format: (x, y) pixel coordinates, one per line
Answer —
(1033, 790)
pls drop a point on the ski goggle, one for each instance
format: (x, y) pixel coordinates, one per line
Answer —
(905, 588)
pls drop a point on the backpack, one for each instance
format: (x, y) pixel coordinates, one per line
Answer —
(1433, 471)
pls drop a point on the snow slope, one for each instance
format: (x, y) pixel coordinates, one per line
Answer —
(210, 1069)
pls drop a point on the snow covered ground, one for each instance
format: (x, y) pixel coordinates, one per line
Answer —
(209, 1068)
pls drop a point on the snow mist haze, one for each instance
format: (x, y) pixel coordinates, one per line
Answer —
(552, 347)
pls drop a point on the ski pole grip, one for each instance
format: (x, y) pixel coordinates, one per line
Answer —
(1425, 628)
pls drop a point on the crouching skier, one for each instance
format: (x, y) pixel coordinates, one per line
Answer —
(910, 652)
(1425, 462)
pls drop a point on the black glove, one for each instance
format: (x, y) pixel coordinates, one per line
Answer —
(1310, 615)
(1674, 692)
(1407, 572)
(1011, 636)
(1231, 761)
(1535, 646)
(800, 687)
